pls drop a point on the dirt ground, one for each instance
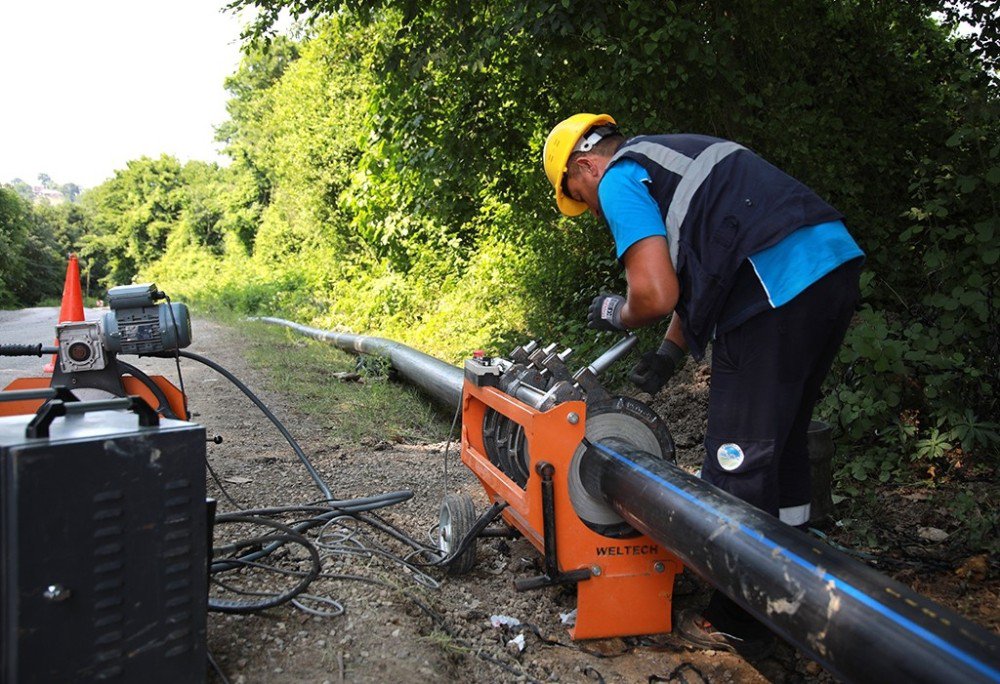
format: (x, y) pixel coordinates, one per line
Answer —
(401, 625)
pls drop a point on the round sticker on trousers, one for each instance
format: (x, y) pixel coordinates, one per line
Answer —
(730, 456)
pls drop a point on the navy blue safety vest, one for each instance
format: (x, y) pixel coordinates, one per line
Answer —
(720, 203)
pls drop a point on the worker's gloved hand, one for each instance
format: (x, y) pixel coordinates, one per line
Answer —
(606, 312)
(656, 367)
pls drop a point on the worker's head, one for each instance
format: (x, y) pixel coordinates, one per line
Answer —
(575, 156)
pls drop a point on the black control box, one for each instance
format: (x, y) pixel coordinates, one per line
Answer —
(103, 550)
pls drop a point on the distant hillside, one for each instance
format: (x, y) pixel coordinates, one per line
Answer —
(46, 191)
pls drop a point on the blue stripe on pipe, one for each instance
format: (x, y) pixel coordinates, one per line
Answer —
(852, 591)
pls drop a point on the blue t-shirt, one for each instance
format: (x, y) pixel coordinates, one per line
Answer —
(782, 271)
(631, 212)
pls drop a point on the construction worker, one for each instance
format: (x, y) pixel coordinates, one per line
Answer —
(744, 256)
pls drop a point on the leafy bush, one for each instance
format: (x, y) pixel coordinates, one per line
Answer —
(923, 381)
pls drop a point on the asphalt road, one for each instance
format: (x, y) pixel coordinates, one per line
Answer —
(29, 326)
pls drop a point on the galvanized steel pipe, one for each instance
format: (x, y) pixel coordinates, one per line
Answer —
(861, 625)
(440, 380)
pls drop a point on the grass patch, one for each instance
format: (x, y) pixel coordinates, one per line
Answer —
(305, 370)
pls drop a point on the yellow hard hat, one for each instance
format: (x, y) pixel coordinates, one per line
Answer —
(559, 146)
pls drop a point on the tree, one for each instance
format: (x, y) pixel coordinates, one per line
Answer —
(71, 191)
(30, 267)
(132, 216)
(22, 189)
(14, 220)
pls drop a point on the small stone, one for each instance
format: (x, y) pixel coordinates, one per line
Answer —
(932, 534)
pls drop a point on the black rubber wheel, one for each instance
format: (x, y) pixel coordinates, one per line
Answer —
(458, 515)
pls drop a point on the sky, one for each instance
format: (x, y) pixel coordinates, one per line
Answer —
(86, 87)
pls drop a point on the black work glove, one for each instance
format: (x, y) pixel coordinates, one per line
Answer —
(605, 312)
(656, 367)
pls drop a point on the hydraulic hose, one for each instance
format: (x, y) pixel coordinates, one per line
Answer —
(316, 477)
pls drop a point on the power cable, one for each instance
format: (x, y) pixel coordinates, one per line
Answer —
(285, 535)
(216, 668)
(218, 483)
(177, 358)
(447, 447)
(267, 412)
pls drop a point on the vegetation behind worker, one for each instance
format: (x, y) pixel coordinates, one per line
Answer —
(745, 257)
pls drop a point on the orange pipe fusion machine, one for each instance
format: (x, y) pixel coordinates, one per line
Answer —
(526, 423)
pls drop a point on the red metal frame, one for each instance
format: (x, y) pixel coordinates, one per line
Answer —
(630, 590)
(132, 387)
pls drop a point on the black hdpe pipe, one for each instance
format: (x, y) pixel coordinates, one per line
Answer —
(859, 624)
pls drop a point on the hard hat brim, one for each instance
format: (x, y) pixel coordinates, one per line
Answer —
(564, 138)
(569, 206)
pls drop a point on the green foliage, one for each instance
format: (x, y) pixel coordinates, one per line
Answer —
(23, 189)
(386, 178)
(31, 240)
(132, 216)
(924, 368)
(14, 217)
(979, 518)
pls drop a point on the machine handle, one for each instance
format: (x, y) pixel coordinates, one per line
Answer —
(620, 349)
(52, 409)
(58, 392)
(26, 350)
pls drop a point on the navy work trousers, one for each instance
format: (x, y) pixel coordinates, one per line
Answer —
(766, 379)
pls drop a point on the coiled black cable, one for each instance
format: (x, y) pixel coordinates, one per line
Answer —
(285, 535)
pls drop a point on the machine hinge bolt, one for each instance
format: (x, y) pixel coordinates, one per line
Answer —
(595, 570)
(658, 566)
(573, 418)
(56, 593)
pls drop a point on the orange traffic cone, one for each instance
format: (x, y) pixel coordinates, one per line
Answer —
(72, 301)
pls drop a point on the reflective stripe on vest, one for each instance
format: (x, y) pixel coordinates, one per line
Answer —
(693, 173)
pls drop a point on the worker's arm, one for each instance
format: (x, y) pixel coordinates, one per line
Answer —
(652, 284)
(675, 334)
(652, 294)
